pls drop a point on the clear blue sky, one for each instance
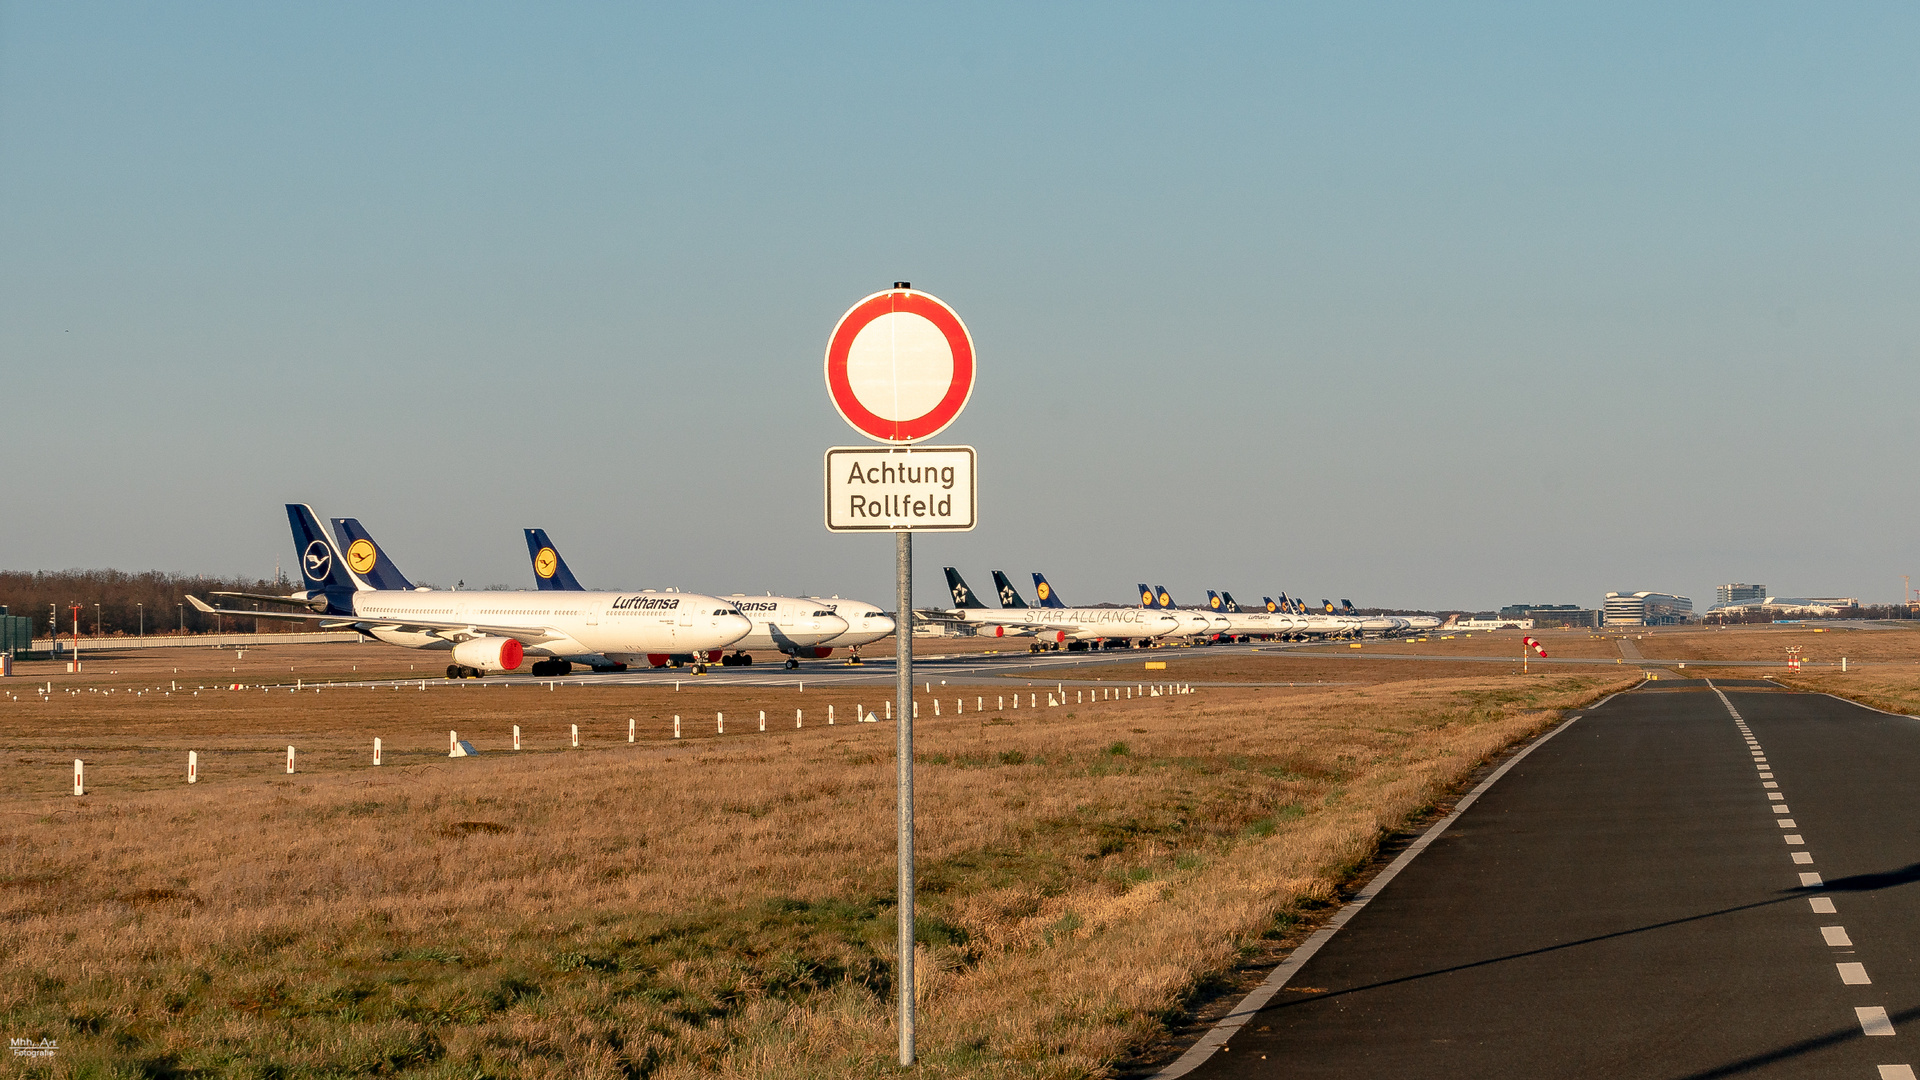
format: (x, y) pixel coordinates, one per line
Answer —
(1420, 305)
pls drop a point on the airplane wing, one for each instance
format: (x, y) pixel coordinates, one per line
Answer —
(447, 628)
(318, 603)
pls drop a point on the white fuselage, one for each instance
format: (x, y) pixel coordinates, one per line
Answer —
(1257, 623)
(866, 623)
(623, 626)
(786, 623)
(1075, 624)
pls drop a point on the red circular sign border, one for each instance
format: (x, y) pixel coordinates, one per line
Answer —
(934, 420)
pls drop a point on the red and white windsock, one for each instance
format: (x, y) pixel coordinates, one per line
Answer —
(1535, 646)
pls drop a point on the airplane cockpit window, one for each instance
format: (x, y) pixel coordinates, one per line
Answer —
(726, 611)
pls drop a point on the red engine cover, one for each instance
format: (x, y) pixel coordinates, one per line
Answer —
(1058, 635)
(821, 652)
(714, 655)
(999, 631)
(511, 653)
(658, 659)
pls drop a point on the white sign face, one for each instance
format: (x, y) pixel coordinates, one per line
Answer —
(900, 366)
(885, 489)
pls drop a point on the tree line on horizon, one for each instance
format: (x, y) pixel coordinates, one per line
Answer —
(36, 594)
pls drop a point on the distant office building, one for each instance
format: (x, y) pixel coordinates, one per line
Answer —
(1647, 609)
(1545, 616)
(1724, 595)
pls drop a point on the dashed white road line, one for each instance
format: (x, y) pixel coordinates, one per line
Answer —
(1854, 975)
(1803, 857)
(1810, 881)
(1897, 1072)
(1822, 905)
(1794, 838)
(1873, 1021)
(1836, 936)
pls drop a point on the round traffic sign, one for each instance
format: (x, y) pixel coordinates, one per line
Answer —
(900, 366)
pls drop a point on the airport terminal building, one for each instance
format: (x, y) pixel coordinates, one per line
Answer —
(1545, 616)
(1647, 609)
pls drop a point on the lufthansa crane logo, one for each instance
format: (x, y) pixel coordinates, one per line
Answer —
(546, 562)
(1146, 599)
(361, 556)
(1044, 591)
(1166, 599)
(317, 562)
(1216, 603)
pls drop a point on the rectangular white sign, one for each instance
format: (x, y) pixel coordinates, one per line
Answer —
(889, 488)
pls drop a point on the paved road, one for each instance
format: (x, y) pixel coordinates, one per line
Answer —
(1663, 889)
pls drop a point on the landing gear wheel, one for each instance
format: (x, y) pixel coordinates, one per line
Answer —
(453, 671)
(699, 669)
(792, 663)
(746, 659)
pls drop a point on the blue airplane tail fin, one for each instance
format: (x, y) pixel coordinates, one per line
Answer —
(1228, 597)
(1271, 606)
(1048, 598)
(367, 562)
(1163, 599)
(549, 569)
(322, 571)
(1146, 597)
(962, 595)
(1009, 596)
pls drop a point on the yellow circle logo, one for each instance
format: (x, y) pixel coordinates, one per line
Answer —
(1146, 599)
(1216, 607)
(361, 555)
(546, 562)
(1164, 599)
(1044, 591)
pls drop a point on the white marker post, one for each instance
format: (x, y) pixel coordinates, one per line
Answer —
(763, 719)
(79, 777)
(720, 723)
(193, 767)
(900, 368)
(376, 749)
(796, 719)
(630, 730)
(676, 727)
(576, 736)
(453, 744)
(289, 760)
(516, 736)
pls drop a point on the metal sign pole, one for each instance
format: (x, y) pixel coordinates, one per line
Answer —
(903, 694)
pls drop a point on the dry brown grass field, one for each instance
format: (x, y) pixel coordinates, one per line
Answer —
(716, 905)
(1888, 644)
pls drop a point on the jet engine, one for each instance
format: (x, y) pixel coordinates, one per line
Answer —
(489, 654)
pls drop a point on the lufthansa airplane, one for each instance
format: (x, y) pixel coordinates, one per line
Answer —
(491, 630)
(798, 626)
(1053, 625)
(1247, 624)
(1193, 624)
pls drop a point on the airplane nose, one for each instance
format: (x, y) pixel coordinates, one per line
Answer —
(883, 620)
(832, 626)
